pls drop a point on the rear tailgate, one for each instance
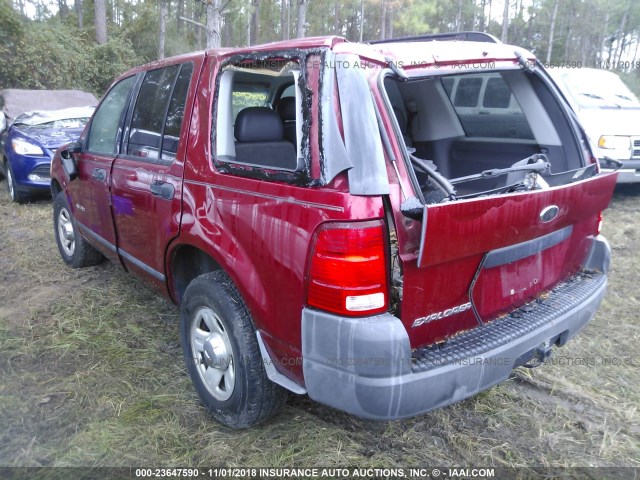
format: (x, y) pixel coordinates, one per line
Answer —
(482, 257)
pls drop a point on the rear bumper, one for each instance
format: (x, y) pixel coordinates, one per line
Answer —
(366, 366)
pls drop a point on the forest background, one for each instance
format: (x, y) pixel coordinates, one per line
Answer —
(85, 44)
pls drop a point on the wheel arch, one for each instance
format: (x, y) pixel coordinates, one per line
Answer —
(55, 187)
(186, 261)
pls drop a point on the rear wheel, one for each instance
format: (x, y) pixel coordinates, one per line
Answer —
(74, 249)
(14, 192)
(222, 354)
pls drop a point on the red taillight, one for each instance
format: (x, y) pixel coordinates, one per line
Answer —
(347, 270)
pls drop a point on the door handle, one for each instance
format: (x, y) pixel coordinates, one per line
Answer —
(162, 189)
(99, 174)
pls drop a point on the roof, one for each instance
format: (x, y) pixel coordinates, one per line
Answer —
(296, 43)
(416, 54)
(15, 101)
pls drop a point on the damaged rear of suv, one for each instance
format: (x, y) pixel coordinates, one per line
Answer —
(493, 215)
(389, 228)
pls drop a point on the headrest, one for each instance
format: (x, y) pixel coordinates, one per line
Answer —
(258, 124)
(287, 108)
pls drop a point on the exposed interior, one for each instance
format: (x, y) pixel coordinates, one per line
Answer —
(469, 123)
(259, 115)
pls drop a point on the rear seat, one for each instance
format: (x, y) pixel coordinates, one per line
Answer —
(260, 141)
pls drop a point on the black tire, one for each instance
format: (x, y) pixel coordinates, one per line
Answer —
(14, 192)
(74, 249)
(232, 383)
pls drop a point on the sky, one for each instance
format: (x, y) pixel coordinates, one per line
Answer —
(30, 8)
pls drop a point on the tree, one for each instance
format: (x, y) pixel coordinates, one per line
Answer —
(164, 12)
(505, 21)
(302, 18)
(361, 20)
(100, 12)
(552, 30)
(179, 15)
(214, 10)
(383, 21)
(284, 24)
(416, 18)
(78, 9)
(63, 9)
(254, 23)
(214, 17)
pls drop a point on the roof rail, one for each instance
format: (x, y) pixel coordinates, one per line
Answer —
(442, 37)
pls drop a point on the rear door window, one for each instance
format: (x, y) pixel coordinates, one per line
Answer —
(149, 113)
(157, 117)
(248, 130)
(175, 114)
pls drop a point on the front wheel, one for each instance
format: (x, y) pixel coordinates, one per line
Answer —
(74, 249)
(12, 185)
(222, 354)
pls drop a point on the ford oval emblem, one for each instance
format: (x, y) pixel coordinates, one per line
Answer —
(549, 213)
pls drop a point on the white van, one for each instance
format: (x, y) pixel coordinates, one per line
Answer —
(609, 113)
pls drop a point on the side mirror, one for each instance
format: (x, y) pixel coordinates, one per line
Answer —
(3, 121)
(68, 162)
(74, 147)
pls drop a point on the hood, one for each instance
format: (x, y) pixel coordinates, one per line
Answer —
(51, 138)
(13, 101)
(40, 117)
(610, 121)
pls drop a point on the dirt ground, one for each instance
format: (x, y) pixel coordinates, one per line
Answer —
(91, 374)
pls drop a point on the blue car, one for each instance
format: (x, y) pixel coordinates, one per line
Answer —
(29, 144)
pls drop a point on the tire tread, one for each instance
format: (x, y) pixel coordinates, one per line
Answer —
(263, 398)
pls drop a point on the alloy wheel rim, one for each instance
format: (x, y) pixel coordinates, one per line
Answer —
(65, 232)
(212, 353)
(10, 184)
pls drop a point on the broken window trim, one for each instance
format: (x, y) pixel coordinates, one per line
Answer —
(415, 184)
(302, 174)
(368, 173)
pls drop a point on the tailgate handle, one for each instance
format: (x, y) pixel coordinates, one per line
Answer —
(162, 189)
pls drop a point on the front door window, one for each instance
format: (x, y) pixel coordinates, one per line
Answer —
(106, 122)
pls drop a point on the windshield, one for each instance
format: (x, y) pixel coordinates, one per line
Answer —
(599, 89)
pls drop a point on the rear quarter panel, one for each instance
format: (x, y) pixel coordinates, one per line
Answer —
(259, 231)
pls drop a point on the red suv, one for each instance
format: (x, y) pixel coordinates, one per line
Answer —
(388, 228)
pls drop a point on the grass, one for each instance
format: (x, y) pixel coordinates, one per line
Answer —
(91, 374)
